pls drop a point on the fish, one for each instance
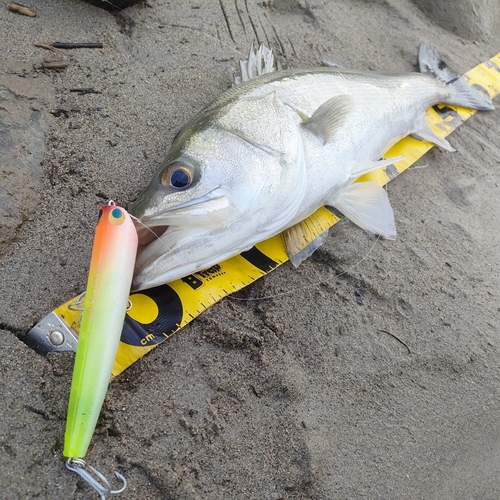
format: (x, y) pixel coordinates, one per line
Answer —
(271, 150)
(105, 305)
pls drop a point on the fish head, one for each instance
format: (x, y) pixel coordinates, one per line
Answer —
(223, 187)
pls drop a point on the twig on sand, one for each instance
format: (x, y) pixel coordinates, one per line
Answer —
(54, 63)
(53, 173)
(395, 337)
(85, 91)
(48, 47)
(77, 45)
(21, 9)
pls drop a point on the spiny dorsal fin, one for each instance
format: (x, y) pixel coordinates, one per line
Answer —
(329, 117)
(259, 62)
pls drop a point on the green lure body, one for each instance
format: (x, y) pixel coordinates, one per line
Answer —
(106, 299)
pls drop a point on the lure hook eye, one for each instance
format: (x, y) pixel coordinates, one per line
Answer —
(179, 175)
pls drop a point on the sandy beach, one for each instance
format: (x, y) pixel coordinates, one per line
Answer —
(372, 371)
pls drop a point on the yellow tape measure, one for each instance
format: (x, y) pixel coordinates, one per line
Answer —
(158, 313)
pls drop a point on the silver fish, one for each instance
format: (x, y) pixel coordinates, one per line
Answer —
(270, 151)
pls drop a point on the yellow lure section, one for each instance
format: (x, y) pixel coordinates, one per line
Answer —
(106, 302)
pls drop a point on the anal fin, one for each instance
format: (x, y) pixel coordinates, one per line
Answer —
(426, 133)
(365, 168)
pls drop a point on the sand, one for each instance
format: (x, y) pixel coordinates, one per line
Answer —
(309, 394)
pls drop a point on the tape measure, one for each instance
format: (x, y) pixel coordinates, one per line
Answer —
(156, 314)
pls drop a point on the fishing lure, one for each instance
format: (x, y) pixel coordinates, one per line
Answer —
(105, 306)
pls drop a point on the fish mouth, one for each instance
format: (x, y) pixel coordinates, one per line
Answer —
(147, 234)
(193, 213)
(164, 236)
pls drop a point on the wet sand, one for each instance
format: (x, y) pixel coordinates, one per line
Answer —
(382, 382)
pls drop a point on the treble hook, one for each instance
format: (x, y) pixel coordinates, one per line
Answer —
(79, 466)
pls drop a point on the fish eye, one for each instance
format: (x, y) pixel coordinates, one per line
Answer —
(178, 175)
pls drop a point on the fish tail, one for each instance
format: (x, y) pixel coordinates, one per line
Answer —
(461, 92)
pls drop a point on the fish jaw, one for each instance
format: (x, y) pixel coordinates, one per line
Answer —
(189, 250)
(163, 234)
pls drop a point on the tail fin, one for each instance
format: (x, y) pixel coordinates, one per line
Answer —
(465, 95)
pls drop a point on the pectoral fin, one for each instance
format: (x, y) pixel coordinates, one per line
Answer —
(329, 117)
(367, 205)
